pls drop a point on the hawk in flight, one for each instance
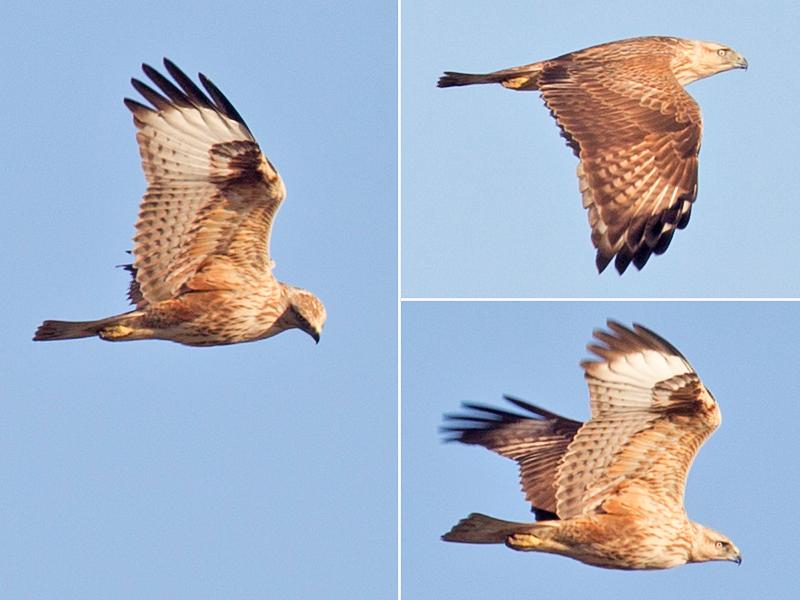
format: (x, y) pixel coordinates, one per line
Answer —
(608, 492)
(201, 271)
(622, 108)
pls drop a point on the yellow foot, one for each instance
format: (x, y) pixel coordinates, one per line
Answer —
(113, 333)
(515, 82)
(531, 542)
(523, 541)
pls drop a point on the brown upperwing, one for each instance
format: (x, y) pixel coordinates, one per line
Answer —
(637, 134)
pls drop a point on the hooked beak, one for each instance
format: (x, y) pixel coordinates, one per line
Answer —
(741, 62)
(737, 559)
(315, 335)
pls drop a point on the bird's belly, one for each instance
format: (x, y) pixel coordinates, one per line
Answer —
(215, 318)
(627, 543)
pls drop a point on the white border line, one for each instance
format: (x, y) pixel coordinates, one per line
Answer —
(601, 299)
(399, 307)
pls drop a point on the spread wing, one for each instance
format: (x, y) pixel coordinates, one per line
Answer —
(211, 195)
(536, 440)
(650, 415)
(637, 134)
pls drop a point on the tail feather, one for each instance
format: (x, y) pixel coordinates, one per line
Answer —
(453, 79)
(71, 330)
(519, 78)
(482, 529)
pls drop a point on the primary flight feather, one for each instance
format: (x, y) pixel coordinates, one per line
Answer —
(624, 112)
(201, 271)
(607, 492)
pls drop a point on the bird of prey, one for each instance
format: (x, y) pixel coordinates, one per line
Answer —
(607, 492)
(624, 112)
(201, 270)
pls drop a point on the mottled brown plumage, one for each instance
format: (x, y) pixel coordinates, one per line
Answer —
(608, 492)
(201, 272)
(622, 108)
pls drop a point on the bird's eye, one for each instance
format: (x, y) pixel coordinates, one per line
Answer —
(722, 51)
(720, 545)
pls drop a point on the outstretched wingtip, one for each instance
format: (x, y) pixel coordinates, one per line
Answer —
(621, 262)
(601, 261)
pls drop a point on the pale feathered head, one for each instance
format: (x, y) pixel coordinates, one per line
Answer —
(697, 60)
(305, 312)
(712, 545)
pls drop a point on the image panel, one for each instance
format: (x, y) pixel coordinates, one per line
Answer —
(492, 206)
(151, 469)
(460, 359)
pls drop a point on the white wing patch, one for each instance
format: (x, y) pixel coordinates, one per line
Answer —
(627, 382)
(175, 144)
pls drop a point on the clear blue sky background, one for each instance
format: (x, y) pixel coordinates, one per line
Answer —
(490, 185)
(744, 482)
(152, 470)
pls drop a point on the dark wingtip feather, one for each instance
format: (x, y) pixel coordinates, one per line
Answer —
(166, 86)
(642, 256)
(136, 107)
(188, 94)
(684, 221)
(223, 104)
(461, 427)
(647, 332)
(531, 408)
(602, 261)
(663, 243)
(622, 261)
(190, 88)
(617, 334)
(149, 94)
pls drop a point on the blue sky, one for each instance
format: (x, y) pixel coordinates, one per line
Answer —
(489, 185)
(744, 482)
(152, 470)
